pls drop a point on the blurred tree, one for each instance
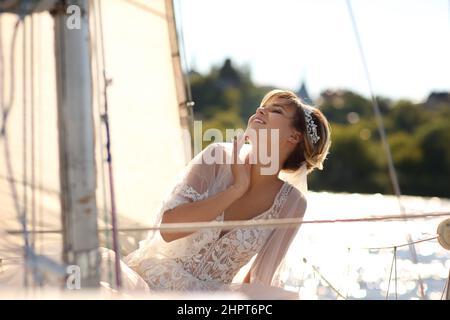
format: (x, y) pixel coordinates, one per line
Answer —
(418, 135)
(351, 164)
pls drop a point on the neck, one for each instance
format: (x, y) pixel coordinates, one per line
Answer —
(257, 179)
(266, 174)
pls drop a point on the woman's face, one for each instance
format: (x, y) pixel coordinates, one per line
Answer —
(275, 114)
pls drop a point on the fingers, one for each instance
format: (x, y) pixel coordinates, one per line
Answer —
(235, 150)
(238, 142)
(241, 138)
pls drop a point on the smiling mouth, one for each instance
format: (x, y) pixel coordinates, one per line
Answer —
(257, 120)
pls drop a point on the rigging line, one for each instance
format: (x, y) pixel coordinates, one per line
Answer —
(40, 146)
(33, 160)
(38, 187)
(395, 272)
(382, 132)
(2, 71)
(401, 245)
(145, 8)
(5, 112)
(348, 271)
(24, 139)
(446, 288)
(263, 223)
(189, 104)
(100, 133)
(6, 108)
(390, 275)
(109, 155)
(316, 270)
(183, 53)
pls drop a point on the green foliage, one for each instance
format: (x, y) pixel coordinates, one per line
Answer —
(418, 136)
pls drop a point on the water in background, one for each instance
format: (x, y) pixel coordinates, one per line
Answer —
(338, 251)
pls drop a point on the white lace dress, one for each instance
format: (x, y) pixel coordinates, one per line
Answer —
(204, 260)
(211, 262)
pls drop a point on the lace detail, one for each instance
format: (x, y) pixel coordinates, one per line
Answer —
(209, 261)
(183, 194)
(222, 259)
(280, 201)
(189, 192)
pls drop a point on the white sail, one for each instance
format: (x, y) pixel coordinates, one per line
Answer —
(148, 118)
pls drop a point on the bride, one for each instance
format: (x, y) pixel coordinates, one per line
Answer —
(230, 181)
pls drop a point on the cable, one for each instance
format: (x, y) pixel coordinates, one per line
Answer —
(402, 245)
(109, 156)
(7, 108)
(189, 104)
(100, 133)
(382, 132)
(446, 288)
(38, 187)
(2, 71)
(390, 275)
(33, 162)
(263, 223)
(316, 270)
(24, 143)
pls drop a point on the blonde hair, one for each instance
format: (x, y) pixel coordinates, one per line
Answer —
(313, 154)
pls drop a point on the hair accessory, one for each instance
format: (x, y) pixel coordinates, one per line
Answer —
(311, 127)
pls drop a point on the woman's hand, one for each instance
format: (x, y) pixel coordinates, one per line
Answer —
(241, 171)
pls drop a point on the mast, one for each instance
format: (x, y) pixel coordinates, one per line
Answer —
(76, 143)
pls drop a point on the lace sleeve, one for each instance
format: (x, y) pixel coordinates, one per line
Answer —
(195, 181)
(269, 262)
(182, 194)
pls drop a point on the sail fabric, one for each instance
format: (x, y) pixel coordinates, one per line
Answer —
(147, 118)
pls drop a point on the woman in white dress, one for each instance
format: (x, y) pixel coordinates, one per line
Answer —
(218, 190)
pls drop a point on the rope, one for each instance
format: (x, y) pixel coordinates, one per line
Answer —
(2, 71)
(394, 262)
(101, 138)
(33, 159)
(402, 245)
(189, 102)
(8, 163)
(24, 139)
(263, 223)
(6, 109)
(382, 132)
(38, 187)
(446, 289)
(348, 272)
(396, 278)
(109, 156)
(316, 270)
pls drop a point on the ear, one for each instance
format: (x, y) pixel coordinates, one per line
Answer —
(295, 137)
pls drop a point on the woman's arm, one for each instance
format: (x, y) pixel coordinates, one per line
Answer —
(208, 209)
(200, 211)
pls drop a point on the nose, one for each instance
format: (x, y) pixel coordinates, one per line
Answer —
(261, 110)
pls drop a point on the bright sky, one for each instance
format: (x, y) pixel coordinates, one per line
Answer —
(406, 42)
